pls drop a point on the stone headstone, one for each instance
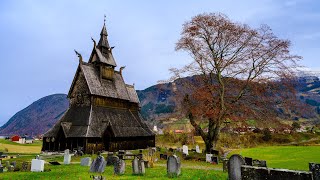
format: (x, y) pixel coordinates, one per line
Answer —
(209, 158)
(119, 167)
(164, 156)
(259, 163)
(67, 157)
(225, 165)
(85, 161)
(248, 161)
(138, 166)
(185, 150)
(173, 166)
(37, 165)
(98, 165)
(141, 166)
(198, 149)
(215, 160)
(315, 169)
(111, 159)
(25, 166)
(10, 168)
(7, 164)
(146, 164)
(14, 164)
(234, 167)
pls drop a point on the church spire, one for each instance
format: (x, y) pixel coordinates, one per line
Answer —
(103, 42)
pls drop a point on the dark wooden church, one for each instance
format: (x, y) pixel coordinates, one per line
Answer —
(104, 112)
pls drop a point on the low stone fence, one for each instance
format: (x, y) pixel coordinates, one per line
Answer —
(240, 168)
(255, 173)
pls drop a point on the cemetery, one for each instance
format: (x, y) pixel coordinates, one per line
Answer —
(165, 163)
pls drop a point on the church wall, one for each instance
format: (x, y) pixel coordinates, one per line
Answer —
(117, 103)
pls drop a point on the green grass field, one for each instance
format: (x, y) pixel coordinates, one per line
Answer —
(284, 157)
(14, 147)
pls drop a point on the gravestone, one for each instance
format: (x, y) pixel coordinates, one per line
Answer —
(119, 167)
(315, 169)
(37, 165)
(164, 156)
(215, 160)
(10, 168)
(25, 166)
(234, 167)
(248, 161)
(185, 150)
(173, 166)
(209, 158)
(259, 163)
(198, 149)
(86, 161)
(98, 165)
(111, 159)
(67, 157)
(225, 165)
(7, 164)
(138, 166)
(146, 164)
(128, 153)
(14, 164)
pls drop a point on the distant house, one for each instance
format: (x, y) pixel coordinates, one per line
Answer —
(178, 131)
(15, 138)
(240, 130)
(26, 140)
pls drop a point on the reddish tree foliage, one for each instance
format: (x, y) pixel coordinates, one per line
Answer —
(240, 72)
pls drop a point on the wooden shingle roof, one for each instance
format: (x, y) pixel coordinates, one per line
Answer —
(123, 123)
(115, 88)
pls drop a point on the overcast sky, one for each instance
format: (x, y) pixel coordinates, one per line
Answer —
(37, 39)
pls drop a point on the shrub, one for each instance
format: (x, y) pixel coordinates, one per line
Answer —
(266, 134)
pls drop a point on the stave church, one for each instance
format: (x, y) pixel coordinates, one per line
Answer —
(104, 112)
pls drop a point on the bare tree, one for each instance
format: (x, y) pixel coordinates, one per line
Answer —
(238, 71)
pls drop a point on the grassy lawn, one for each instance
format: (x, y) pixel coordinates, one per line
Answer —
(14, 147)
(284, 157)
(194, 170)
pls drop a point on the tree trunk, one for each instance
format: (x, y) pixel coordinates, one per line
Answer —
(209, 145)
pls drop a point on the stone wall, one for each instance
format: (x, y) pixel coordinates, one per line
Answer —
(255, 173)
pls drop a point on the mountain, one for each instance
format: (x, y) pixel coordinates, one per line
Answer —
(38, 117)
(158, 102)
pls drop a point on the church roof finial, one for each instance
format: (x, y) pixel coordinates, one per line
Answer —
(103, 42)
